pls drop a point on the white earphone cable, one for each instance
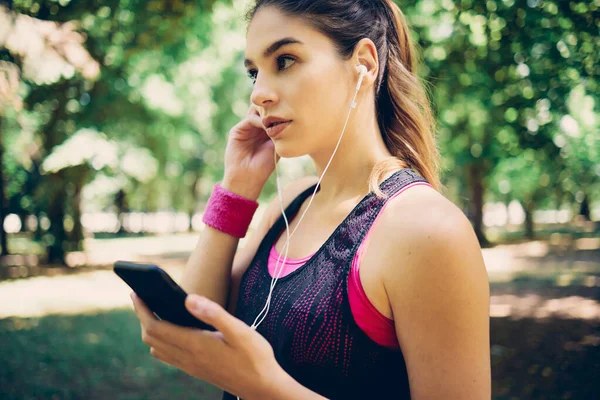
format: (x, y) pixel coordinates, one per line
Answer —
(279, 267)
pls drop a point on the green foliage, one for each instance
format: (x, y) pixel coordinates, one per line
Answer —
(514, 84)
(502, 71)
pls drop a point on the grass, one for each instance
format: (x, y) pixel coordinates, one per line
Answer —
(101, 355)
(545, 359)
(88, 357)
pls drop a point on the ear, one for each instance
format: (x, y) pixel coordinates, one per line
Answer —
(365, 53)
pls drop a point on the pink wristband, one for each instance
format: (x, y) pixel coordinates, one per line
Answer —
(228, 212)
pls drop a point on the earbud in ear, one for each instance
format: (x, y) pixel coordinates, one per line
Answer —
(363, 71)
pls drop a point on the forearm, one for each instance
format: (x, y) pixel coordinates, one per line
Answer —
(208, 270)
(284, 387)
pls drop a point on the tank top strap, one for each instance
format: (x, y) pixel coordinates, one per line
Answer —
(399, 179)
(390, 186)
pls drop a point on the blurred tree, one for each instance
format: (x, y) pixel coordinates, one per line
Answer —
(143, 106)
(119, 34)
(502, 71)
(122, 208)
(9, 82)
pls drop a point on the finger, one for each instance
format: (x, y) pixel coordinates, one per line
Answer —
(159, 333)
(147, 319)
(256, 121)
(253, 110)
(165, 356)
(141, 309)
(254, 117)
(249, 124)
(234, 330)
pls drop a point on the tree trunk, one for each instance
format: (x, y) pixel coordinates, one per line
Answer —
(3, 238)
(584, 209)
(77, 233)
(56, 214)
(476, 204)
(37, 234)
(528, 206)
(54, 136)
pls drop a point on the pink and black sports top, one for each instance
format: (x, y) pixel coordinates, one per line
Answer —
(324, 330)
(376, 325)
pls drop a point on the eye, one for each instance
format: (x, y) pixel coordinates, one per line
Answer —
(252, 75)
(281, 62)
(284, 58)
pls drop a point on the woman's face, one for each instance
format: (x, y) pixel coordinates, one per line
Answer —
(305, 82)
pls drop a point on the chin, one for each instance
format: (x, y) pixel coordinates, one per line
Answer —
(289, 150)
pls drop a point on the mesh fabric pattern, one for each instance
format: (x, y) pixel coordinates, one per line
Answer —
(310, 324)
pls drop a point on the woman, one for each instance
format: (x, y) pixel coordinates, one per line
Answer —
(413, 320)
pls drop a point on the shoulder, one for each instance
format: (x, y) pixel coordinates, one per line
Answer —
(422, 217)
(438, 289)
(426, 230)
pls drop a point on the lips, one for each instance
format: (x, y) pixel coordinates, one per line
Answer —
(271, 120)
(275, 129)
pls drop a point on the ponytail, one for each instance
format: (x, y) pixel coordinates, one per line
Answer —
(404, 112)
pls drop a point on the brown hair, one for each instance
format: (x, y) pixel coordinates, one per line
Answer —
(404, 113)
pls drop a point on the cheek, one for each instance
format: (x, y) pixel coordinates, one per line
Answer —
(322, 100)
(318, 100)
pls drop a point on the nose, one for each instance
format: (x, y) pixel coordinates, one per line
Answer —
(263, 95)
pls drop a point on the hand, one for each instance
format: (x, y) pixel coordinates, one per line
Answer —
(249, 154)
(235, 358)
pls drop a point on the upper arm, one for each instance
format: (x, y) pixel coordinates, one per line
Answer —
(439, 294)
(243, 256)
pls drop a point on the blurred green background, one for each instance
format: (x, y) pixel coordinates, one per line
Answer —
(113, 122)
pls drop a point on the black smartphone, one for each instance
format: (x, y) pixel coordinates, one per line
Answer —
(164, 297)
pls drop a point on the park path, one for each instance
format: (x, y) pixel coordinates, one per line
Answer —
(98, 288)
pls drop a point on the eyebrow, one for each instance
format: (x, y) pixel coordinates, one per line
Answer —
(273, 48)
